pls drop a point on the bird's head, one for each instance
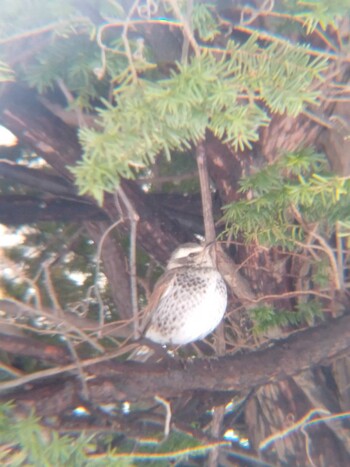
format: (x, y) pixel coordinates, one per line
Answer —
(191, 254)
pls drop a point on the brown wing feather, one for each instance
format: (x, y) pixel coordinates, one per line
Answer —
(159, 289)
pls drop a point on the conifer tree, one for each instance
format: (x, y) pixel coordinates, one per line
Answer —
(110, 101)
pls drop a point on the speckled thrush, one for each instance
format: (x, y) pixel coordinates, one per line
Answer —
(189, 300)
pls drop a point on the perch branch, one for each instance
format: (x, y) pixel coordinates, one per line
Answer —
(207, 204)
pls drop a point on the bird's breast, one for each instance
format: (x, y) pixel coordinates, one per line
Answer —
(191, 307)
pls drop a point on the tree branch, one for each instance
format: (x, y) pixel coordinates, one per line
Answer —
(207, 204)
(36, 127)
(115, 381)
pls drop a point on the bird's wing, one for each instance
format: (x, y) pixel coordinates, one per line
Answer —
(161, 289)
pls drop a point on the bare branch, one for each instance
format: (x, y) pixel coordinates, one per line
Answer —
(133, 218)
(207, 204)
(97, 271)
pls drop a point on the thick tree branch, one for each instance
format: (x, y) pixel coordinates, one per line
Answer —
(29, 347)
(288, 357)
(25, 209)
(39, 180)
(36, 127)
(114, 267)
(115, 381)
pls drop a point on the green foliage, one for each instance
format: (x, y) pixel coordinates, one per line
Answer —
(170, 114)
(298, 184)
(266, 317)
(72, 60)
(323, 13)
(26, 442)
(227, 87)
(177, 447)
(320, 272)
(85, 56)
(204, 22)
(314, 14)
(344, 228)
(296, 204)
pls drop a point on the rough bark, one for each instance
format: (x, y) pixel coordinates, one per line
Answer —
(288, 357)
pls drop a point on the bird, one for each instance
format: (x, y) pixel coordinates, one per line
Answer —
(189, 300)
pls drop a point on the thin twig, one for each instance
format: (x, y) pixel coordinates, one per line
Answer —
(58, 321)
(266, 6)
(202, 47)
(262, 11)
(133, 218)
(42, 30)
(319, 120)
(79, 368)
(50, 287)
(307, 446)
(264, 35)
(167, 407)
(62, 369)
(186, 27)
(340, 253)
(326, 248)
(333, 263)
(6, 262)
(186, 42)
(49, 331)
(168, 178)
(286, 295)
(97, 271)
(70, 100)
(126, 41)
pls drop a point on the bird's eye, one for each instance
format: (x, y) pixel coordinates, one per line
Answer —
(191, 255)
